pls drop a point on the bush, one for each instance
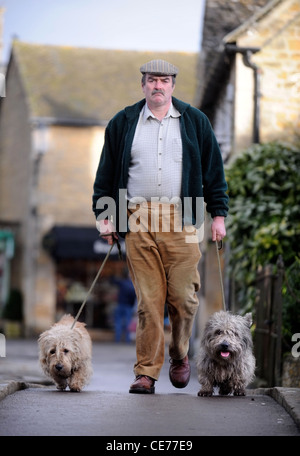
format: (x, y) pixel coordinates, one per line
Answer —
(264, 222)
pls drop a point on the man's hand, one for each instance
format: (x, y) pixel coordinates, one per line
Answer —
(107, 230)
(218, 231)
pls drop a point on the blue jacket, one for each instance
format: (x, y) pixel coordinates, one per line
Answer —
(202, 164)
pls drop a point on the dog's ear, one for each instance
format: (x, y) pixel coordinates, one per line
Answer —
(248, 318)
(43, 336)
(43, 356)
(43, 361)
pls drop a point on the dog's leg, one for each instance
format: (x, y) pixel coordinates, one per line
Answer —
(238, 386)
(61, 384)
(77, 380)
(225, 388)
(206, 387)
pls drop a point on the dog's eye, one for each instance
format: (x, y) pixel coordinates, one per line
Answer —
(66, 350)
(52, 351)
(218, 332)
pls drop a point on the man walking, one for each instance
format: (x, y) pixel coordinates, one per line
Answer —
(162, 154)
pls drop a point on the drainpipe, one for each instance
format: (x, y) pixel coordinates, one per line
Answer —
(247, 54)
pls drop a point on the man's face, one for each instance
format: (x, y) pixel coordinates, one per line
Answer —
(158, 89)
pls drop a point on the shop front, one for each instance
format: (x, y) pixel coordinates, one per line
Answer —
(78, 253)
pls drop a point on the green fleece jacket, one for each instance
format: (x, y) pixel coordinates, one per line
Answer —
(202, 164)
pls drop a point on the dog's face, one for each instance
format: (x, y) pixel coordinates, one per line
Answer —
(227, 336)
(58, 352)
(59, 359)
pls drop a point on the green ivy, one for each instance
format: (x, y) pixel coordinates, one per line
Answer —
(264, 219)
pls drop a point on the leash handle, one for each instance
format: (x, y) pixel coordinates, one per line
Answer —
(92, 286)
(220, 272)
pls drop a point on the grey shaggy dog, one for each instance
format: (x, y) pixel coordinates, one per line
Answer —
(225, 359)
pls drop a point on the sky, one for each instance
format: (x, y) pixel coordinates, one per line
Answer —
(154, 25)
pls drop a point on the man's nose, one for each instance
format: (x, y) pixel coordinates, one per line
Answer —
(158, 84)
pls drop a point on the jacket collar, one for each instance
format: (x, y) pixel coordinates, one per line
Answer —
(134, 110)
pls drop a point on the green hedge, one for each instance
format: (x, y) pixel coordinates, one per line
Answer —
(264, 220)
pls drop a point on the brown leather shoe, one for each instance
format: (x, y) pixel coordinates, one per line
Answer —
(180, 372)
(143, 385)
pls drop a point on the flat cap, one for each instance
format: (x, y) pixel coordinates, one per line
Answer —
(159, 67)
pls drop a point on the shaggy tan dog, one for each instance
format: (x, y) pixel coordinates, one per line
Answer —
(66, 354)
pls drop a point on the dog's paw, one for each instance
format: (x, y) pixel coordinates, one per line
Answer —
(205, 393)
(239, 392)
(75, 389)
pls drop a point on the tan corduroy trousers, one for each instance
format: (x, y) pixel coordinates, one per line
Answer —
(163, 263)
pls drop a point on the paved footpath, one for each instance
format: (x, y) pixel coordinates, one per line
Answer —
(30, 406)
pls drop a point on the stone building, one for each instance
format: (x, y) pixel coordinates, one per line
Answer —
(249, 87)
(52, 120)
(250, 60)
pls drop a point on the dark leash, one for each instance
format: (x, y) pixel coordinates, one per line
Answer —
(219, 247)
(116, 241)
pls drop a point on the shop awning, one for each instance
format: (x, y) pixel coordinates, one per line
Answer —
(72, 242)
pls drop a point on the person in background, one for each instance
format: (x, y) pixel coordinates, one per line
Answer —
(125, 306)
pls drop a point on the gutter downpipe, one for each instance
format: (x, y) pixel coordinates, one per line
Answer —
(247, 54)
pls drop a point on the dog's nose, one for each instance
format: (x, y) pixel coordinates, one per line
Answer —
(58, 366)
(224, 345)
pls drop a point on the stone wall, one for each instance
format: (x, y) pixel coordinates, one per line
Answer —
(291, 372)
(278, 36)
